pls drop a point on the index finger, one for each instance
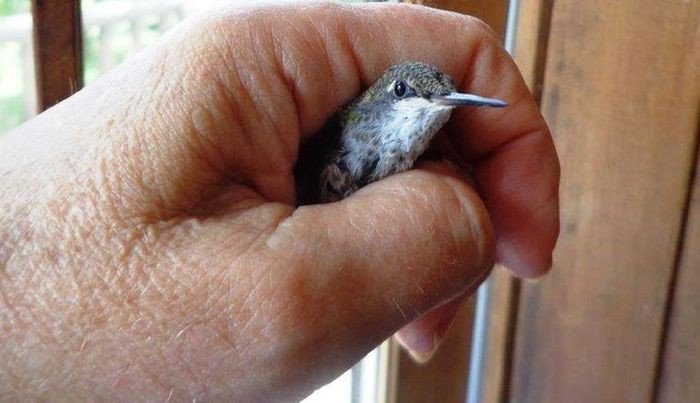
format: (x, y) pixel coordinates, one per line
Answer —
(327, 52)
(515, 162)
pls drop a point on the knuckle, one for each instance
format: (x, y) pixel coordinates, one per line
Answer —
(480, 27)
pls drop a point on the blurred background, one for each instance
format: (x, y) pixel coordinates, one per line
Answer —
(112, 30)
(618, 318)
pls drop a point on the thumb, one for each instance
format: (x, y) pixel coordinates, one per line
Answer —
(391, 251)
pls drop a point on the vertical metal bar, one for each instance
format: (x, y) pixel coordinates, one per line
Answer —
(478, 349)
(387, 368)
(57, 49)
(371, 377)
(356, 376)
(511, 25)
(479, 346)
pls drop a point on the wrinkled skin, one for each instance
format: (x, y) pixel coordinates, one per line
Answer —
(149, 243)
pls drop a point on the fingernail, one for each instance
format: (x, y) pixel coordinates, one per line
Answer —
(421, 346)
(425, 353)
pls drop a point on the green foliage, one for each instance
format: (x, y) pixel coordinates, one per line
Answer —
(12, 112)
(12, 80)
(8, 7)
(90, 54)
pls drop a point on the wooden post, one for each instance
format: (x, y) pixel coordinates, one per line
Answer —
(57, 49)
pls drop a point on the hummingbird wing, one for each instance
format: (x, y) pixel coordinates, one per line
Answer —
(336, 183)
(367, 172)
(321, 171)
(338, 161)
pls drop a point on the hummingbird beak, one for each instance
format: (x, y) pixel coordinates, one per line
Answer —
(462, 99)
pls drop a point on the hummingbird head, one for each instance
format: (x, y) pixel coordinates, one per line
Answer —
(406, 82)
(418, 88)
(401, 112)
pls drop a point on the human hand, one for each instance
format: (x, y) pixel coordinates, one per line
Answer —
(149, 244)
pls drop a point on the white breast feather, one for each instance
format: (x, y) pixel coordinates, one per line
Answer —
(407, 133)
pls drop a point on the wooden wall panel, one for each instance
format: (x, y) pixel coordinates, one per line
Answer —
(680, 368)
(57, 50)
(620, 95)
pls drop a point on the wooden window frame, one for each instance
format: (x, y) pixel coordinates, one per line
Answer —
(58, 55)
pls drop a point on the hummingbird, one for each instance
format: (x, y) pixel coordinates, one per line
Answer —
(381, 132)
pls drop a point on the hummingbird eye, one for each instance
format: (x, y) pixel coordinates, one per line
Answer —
(399, 89)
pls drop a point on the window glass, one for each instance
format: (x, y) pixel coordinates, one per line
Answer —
(17, 89)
